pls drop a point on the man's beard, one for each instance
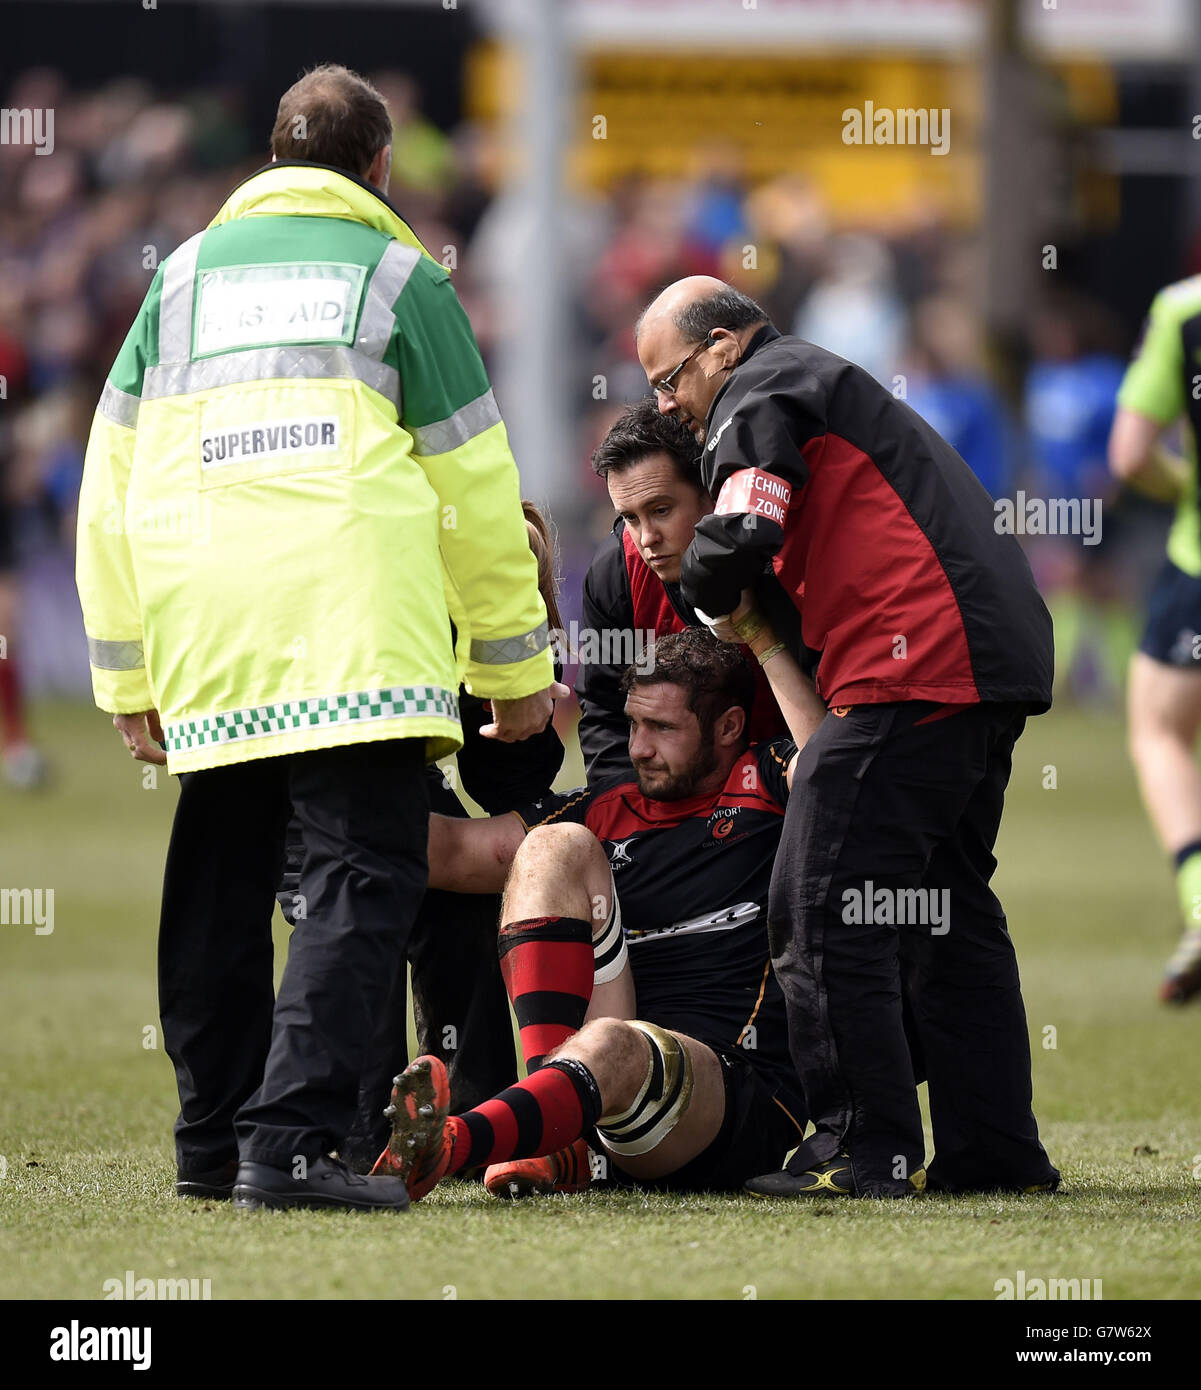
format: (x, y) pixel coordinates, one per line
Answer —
(683, 784)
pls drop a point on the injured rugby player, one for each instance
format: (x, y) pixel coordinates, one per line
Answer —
(633, 944)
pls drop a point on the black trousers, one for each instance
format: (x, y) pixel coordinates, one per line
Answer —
(270, 1079)
(886, 799)
(460, 1010)
(460, 1007)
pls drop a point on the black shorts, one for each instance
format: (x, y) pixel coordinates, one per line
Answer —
(1173, 632)
(756, 1135)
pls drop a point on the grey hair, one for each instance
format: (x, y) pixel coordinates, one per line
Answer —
(724, 308)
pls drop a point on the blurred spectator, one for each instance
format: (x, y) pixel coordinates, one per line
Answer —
(422, 157)
(1070, 395)
(789, 228)
(853, 310)
(715, 211)
(947, 386)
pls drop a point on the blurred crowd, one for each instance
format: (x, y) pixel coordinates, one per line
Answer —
(135, 171)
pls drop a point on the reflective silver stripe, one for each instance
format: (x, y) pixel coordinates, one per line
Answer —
(378, 322)
(499, 651)
(118, 406)
(175, 304)
(443, 435)
(115, 656)
(266, 364)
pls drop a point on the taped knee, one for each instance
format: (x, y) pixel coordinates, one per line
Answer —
(661, 1100)
(609, 947)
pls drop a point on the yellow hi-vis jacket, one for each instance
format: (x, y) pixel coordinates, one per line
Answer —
(297, 478)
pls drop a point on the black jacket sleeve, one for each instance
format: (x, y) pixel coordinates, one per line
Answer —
(753, 466)
(503, 775)
(604, 732)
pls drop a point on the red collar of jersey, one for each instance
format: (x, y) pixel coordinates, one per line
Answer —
(653, 809)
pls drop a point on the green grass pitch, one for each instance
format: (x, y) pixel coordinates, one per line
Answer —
(87, 1093)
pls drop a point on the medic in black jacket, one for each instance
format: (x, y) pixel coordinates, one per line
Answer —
(853, 528)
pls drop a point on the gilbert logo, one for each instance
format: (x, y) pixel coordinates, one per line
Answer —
(619, 855)
(722, 428)
(76, 1343)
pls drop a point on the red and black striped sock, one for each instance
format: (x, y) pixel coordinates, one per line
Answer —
(548, 965)
(540, 1115)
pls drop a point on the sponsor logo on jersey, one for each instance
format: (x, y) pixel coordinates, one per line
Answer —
(304, 435)
(721, 826)
(721, 822)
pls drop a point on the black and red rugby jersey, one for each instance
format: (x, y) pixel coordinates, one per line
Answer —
(692, 880)
(623, 594)
(865, 536)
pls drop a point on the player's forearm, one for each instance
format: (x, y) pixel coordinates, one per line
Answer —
(800, 704)
(1161, 475)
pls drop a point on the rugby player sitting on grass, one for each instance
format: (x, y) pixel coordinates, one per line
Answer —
(634, 947)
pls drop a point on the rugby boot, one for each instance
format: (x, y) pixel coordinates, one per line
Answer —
(565, 1171)
(1182, 978)
(421, 1146)
(833, 1178)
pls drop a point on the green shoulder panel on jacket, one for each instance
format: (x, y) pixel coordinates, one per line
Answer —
(434, 349)
(140, 348)
(284, 240)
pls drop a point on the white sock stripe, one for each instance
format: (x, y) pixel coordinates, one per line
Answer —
(609, 948)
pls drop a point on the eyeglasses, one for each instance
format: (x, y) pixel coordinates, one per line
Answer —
(666, 386)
